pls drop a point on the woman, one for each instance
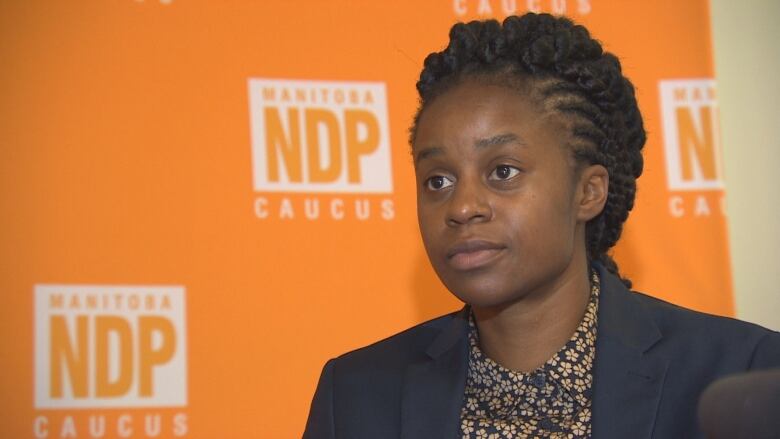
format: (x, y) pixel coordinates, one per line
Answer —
(527, 145)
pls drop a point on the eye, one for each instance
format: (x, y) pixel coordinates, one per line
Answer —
(438, 182)
(503, 172)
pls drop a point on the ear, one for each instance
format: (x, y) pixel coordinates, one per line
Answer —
(593, 189)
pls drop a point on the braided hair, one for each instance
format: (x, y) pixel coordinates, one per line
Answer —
(568, 72)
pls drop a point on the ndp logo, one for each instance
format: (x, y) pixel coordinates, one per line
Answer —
(692, 144)
(110, 346)
(693, 162)
(319, 136)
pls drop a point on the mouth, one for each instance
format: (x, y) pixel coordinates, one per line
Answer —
(473, 254)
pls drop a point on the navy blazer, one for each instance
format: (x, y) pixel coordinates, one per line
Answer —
(653, 360)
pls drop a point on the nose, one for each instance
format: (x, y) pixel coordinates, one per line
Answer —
(468, 204)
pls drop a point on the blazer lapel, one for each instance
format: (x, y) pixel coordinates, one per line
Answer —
(433, 390)
(627, 377)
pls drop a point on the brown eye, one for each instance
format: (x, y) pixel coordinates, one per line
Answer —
(438, 182)
(503, 172)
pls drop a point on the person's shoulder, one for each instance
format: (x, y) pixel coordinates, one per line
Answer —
(401, 349)
(668, 314)
(680, 325)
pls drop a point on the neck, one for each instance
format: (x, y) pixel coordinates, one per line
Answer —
(523, 335)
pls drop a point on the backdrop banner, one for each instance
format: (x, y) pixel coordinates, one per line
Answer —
(202, 202)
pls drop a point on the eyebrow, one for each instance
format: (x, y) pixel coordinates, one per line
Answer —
(497, 140)
(427, 152)
(500, 139)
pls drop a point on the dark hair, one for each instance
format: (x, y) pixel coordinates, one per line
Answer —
(566, 70)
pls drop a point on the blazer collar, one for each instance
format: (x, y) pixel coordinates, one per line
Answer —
(432, 393)
(628, 375)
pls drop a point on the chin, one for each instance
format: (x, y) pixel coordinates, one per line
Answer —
(481, 296)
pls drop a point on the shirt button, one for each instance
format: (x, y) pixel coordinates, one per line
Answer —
(546, 424)
(538, 380)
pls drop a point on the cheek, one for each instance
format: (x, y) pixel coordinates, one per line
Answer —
(560, 229)
(541, 224)
(426, 220)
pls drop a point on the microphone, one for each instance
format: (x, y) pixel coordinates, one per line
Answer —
(742, 406)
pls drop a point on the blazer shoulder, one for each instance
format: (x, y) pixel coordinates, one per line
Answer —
(671, 314)
(401, 349)
(760, 346)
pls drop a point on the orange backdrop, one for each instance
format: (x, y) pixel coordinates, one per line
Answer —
(134, 158)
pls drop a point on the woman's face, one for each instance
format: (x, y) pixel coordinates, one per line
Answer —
(498, 200)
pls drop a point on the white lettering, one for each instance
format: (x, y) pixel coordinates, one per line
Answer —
(261, 207)
(311, 208)
(558, 7)
(180, 425)
(584, 7)
(152, 425)
(675, 206)
(702, 207)
(337, 209)
(286, 211)
(463, 8)
(97, 426)
(362, 209)
(697, 206)
(41, 427)
(460, 7)
(509, 6)
(339, 96)
(132, 302)
(68, 427)
(484, 8)
(334, 208)
(123, 427)
(388, 210)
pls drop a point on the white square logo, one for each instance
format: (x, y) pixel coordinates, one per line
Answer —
(319, 136)
(689, 110)
(110, 346)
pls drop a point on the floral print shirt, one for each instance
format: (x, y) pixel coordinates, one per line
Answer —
(553, 401)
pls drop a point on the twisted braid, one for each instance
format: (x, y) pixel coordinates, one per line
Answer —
(568, 72)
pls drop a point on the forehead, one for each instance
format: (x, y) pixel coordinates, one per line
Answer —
(474, 110)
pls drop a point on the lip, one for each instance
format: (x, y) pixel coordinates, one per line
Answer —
(473, 253)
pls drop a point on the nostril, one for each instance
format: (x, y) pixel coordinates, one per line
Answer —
(452, 222)
(469, 214)
(467, 204)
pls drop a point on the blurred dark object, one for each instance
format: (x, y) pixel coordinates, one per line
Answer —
(743, 406)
